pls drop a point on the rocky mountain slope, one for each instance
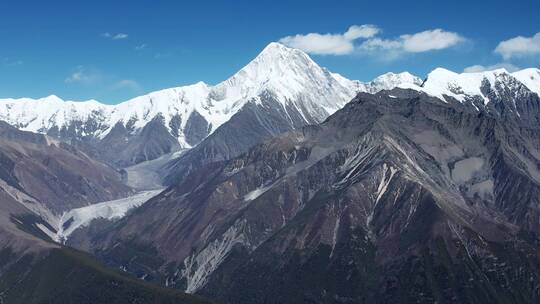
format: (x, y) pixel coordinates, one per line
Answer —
(62, 275)
(245, 129)
(40, 178)
(255, 123)
(427, 191)
(398, 197)
(50, 177)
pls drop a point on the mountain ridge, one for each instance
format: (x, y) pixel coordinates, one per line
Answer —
(393, 184)
(271, 69)
(215, 103)
(286, 86)
(530, 77)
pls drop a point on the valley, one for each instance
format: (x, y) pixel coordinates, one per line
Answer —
(285, 183)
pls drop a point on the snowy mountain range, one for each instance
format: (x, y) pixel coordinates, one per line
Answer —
(186, 115)
(190, 113)
(443, 83)
(288, 73)
(287, 168)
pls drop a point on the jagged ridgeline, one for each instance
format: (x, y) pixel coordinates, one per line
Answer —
(281, 89)
(285, 183)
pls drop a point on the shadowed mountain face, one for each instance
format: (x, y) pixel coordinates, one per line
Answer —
(251, 125)
(398, 197)
(62, 275)
(46, 174)
(124, 148)
(39, 180)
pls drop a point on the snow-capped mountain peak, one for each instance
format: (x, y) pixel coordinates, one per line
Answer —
(38, 115)
(290, 75)
(275, 61)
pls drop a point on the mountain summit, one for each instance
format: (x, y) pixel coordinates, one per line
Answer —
(289, 73)
(181, 117)
(286, 72)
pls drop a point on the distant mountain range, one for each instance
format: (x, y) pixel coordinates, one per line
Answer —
(286, 80)
(281, 84)
(286, 183)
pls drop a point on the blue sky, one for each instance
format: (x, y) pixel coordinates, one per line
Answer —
(115, 50)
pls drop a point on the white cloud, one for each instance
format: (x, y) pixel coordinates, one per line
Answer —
(361, 31)
(94, 78)
(12, 63)
(127, 84)
(140, 47)
(377, 44)
(425, 41)
(83, 75)
(343, 44)
(330, 44)
(436, 39)
(519, 46)
(481, 68)
(118, 36)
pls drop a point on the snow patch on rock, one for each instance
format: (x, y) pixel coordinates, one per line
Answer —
(81, 217)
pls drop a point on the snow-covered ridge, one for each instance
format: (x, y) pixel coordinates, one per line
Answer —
(289, 74)
(36, 114)
(444, 83)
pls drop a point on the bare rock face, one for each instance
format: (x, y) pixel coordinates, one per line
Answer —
(123, 147)
(51, 175)
(398, 197)
(197, 128)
